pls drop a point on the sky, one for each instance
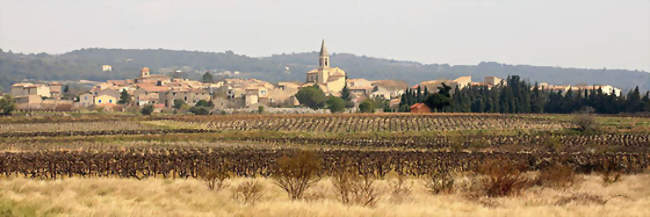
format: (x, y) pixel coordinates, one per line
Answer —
(567, 33)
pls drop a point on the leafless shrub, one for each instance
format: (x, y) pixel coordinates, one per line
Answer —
(353, 188)
(248, 192)
(215, 178)
(503, 178)
(556, 175)
(440, 181)
(297, 173)
(585, 123)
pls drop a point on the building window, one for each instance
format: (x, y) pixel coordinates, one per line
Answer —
(85, 97)
(110, 101)
(100, 101)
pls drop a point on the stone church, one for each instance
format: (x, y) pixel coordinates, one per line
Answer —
(330, 80)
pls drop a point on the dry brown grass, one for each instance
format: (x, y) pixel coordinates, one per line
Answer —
(557, 176)
(190, 197)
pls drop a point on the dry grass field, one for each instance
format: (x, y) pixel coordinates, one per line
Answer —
(190, 197)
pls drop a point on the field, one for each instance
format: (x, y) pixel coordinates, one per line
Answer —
(130, 165)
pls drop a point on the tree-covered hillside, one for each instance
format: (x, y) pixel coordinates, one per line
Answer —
(86, 64)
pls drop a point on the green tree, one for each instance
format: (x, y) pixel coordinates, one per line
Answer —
(200, 110)
(260, 109)
(205, 103)
(207, 78)
(367, 106)
(347, 97)
(312, 97)
(335, 104)
(439, 100)
(125, 98)
(178, 103)
(147, 109)
(646, 102)
(7, 105)
(634, 103)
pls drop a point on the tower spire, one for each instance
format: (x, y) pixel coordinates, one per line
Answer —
(324, 59)
(323, 49)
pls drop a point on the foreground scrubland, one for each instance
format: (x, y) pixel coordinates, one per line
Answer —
(191, 197)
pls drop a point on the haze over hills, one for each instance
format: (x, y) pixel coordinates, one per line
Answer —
(86, 64)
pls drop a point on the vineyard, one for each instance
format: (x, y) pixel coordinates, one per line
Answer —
(306, 123)
(414, 144)
(188, 162)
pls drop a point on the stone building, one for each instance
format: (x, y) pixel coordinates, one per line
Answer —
(189, 96)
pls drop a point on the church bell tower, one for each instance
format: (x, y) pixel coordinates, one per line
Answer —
(324, 60)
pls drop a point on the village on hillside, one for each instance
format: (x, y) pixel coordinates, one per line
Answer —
(165, 93)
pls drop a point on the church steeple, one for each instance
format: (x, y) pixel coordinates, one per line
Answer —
(324, 60)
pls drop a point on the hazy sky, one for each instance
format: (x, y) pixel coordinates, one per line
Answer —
(568, 33)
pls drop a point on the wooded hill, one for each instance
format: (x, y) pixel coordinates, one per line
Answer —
(86, 64)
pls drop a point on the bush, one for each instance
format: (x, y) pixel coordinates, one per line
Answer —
(440, 181)
(367, 106)
(147, 109)
(585, 123)
(215, 178)
(556, 175)
(200, 110)
(7, 105)
(335, 104)
(260, 109)
(297, 173)
(204, 103)
(248, 192)
(178, 103)
(353, 188)
(503, 178)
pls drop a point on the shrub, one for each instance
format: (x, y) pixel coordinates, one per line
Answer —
(200, 110)
(178, 103)
(353, 188)
(367, 106)
(335, 104)
(215, 178)
(7, 105)
(556, 175)
(342, 181)
(297, 173)
(440, 181)
(503, 178)
(204, 103)
(248, 192)
(260, 109)
(585, 123)
(147, 109)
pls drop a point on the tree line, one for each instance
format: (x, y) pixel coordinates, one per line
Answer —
(519, 96)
